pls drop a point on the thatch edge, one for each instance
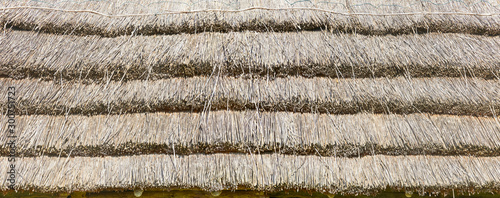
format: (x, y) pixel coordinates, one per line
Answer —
(347, 150)
(254, 132)
(456, 96)
(259, 172)
(353, 23)
(246, 54)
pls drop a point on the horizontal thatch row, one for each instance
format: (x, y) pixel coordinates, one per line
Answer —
(259, 172)
(120, 17)
(307, 54)
(254, 132)
(462, 96)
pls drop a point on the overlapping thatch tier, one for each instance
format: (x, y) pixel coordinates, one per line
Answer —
(120, 17)
(260, 172)
(229, 94)
(459, 96)
(29, 54)
(255, 132)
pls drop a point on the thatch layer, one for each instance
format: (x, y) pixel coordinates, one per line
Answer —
(120, 17)
(462, 96)
(255, 132)
(28, 54)
(259, 172)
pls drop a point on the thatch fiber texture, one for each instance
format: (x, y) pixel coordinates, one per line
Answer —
(149, 17)
(259, 172)
(255, 132)
(309, 54)
(344, 96)
(460, 96)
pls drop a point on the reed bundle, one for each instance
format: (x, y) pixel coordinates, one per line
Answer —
(255, 132)
(28, 54)
(460, 96)
(149, 17)
(258, 172)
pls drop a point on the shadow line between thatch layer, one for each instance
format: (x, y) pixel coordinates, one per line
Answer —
(248, 54)
(460, 96)
(257, 172)
(254, 132)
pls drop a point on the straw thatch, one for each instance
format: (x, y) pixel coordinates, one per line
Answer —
(461, 96)
(255, 132)
(148, 17)
(26, 54)
(229, 94)
(260, 172)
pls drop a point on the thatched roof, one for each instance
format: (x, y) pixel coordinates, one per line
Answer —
(148, 17)
(27, 54)
(333, 96)
(460, 96)
(257, 132)
(258, 171)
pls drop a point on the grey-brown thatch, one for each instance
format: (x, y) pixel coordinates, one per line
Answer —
(148, 17)
(270, 54)
(460, 96)
(252, 131)
(350, 96)
(257, 171)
